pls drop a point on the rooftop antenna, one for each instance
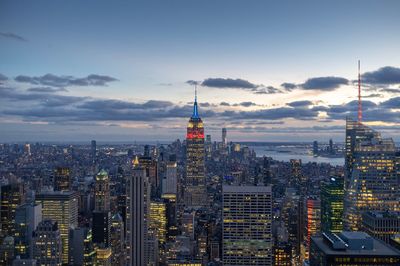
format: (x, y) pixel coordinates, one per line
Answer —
(195, 110)
(195, 92)
(359, 94)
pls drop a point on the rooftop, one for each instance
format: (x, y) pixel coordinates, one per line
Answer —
(353, 243)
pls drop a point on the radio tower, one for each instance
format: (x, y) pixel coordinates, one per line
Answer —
(359, 94)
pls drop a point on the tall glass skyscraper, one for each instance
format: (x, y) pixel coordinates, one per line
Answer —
(332, 195)
(195, 192)
(371, 180)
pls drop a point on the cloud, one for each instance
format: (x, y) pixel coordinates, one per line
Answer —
(385, 75)
(65, 81)
(46, 89)
(3, 77)
(373, 95)
(193, 82)
(109, 104)
(267, 90)
(224, 104)
(228, 83)
(324, 83)
(300, 104)
(288, 86)
(392, 103)
(274, 114)
(13, 36)
(247, 104)
(390, 90)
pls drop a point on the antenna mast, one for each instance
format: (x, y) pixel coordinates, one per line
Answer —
(195, 92)
(359, 94)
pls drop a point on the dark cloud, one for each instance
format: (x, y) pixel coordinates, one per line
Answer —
(2, 78)
(193, 82)
(247, 104)
(373, 95)
(324, 83)
(390, 90)
(385, 75)
(224, 104)
(228, 83)
(392, 103)
(120, 105)
(300, 104)
(288, 86)
(46, 89)
(274, 114)
(13, 36)
(65, 81)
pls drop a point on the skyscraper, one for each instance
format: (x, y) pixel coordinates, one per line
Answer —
(195, 192)
(117, 240)
(382, 225)
(332, 196)
(315, 148)
(27, 218)
(11, 196)
(170, 183)
(62, 179)
(93, 148)
(60, 207)
(312, 223)
(136, 216)
(102, 192)
(101, 221)
(246, 229)
(158, 221)
(371, 181)
(47, 244)
(224, 138)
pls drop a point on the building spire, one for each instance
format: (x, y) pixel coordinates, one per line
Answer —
(359, 94)
(195, 108)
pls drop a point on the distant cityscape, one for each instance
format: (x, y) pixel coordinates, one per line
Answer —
(202, 202)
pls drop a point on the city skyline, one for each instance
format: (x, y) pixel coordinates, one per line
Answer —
(273, 75)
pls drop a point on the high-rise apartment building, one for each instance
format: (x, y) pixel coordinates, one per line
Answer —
(195, 190)
(246, 229)
(60, 207)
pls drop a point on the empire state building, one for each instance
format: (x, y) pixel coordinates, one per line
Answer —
(195, 190)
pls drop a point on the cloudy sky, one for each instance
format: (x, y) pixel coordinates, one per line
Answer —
(119, 71)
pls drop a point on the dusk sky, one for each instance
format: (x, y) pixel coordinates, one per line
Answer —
(266, 70)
